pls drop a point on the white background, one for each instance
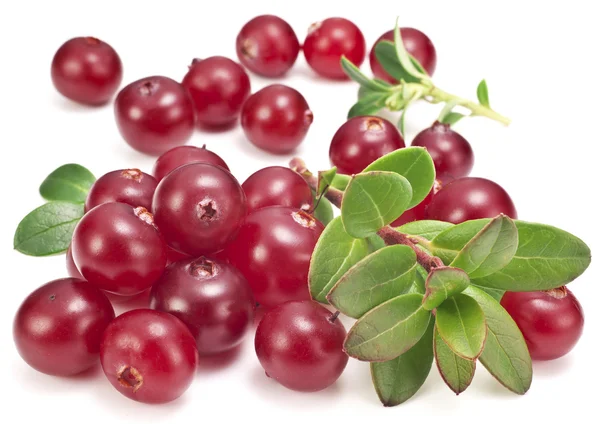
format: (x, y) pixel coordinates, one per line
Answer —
(541, 65)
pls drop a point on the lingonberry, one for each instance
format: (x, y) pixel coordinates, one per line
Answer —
(328, 41)
(273, 251)
(155, 114)
(360, 141)
(175, 255)
(58, 327)
(300, 345)
(211, 297)
(199, 208)
(119, 249)
(149, 356)
(267, 45)
(130, 186)
(87, 70)
(184, 155)
(470, 198)
(72, 270)
(219, 87)
(277, 186)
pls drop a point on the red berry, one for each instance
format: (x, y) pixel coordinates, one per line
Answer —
(118, 248)
(87, 70)
(174, 255)
(300, 345)
(149, 356)
(470, 198)
(184, 155)
(551, 321)
(199, 208)
(211, 297)
(154, 115)
(130, 186)
(219, 87)
(267, 45)
(273, 251)
(328, 41)
(58, 327)
(72, 270)
(360, 141)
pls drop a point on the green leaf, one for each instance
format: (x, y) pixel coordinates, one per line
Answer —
(355, 74)
(381, 276)
(325, 179)
(418, 286)
(426, 229)
(449, 242)
(461, 323)
(443, 283)
(368, 105)
(452, 118)
(335, 253)
(48, 229)
(495, 293)
(324, 211)
(505, 354)
(385, 51)
(68, 183)
(375, 243)
(457, 372)
(388, 330)
(399, 379)
(482, 94)
(340, 181)
(404, 57)
(373, 200)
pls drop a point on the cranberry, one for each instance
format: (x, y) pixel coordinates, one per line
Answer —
(184, 155)
(300, 344)
(72, 270)
(273, 250)
(277, 186)
(417, 44)
(211, 297)
(87, 70)
(175, 255)
(154, 115)
(328, 41)
(267, 45)
(415, 214)
(360, 141)
(119, 249)
(58, 327)
(551, 321)
(149, 356)
(219, 87)
(470, 198)
(130, 186)
(199, 208)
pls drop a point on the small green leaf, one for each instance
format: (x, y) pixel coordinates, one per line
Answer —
(363, 91)
(482, 94)
(386, 56)
(325, 179)
(388, 330)
(404, 58)
(426, 229)
(449, 242)
(461, 323)
(457, 372)
(324, 211)
(355, 74)
(340, 181)
(375, 243)
(418, 286)
(68, 183)
(452, 118)
(495, 293)
(370, 104)
(443, 283)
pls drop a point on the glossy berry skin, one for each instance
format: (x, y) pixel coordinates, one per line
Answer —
(300, 345)
(277, 186)
(119, 249)
(470, 198)
(149, 356)
(87, 70)
(267, 45)
(360, 141)
(219, 87)
(154, 115)
(551, 321)
(130, 186)
(199, 208)
(72, 270)
(174, 255)
(328, 41)
(211, 297)
(58, 327)
(273, 251)
(184, 155)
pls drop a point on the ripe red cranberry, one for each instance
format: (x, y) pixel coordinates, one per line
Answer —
(119, 249)
(175, 255)
(267, 45)
(277, 186)
(328, 41)
(184, 155)
(273, 250)
(154, 115)
(470, 198)
(130, 186)
(87, 70)
(360, 141)
(451, 153)
(149, 356)
(72, 270)
(416, 44)
(219, 87)
(58, 327)
(211, 297)
(300, 345)
(199, 208)
(551, 321)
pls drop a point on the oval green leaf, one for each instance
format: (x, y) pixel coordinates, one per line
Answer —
(443, 283)
(369, 104)
(68, 183)
(385, 51)
(426, 229)
(340, 181)
(457, 372)
(482, 94)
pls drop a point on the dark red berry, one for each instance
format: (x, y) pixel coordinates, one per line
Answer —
(149, 356)
(58, 327)
(87, 70)
(174, 255)
(72, 270)
(184, 155)
(130, 186)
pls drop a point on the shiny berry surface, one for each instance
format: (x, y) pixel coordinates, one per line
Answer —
(175, 255)
(130, 186)
(184, 155)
